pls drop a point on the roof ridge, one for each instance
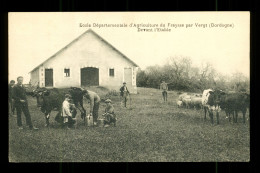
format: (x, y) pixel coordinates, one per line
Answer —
(76, 39)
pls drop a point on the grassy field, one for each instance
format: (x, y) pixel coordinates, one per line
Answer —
(147, 131)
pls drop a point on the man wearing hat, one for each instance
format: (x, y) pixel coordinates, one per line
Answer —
(124, 93)
(68, 118)
(109, 114)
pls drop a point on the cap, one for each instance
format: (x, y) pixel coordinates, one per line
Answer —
(68, 96)
(108, 101)
(124, 82)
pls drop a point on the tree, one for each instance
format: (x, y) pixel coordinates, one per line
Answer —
(141, 78)
(239, 82)
(180, 74)
(207, 76)
(180, 70)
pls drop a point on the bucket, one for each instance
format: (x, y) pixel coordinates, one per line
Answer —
(89, 120)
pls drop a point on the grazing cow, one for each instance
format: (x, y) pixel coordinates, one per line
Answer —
(211, 103)
(232, 103)
(52, 99)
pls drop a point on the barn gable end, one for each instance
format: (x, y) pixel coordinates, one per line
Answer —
(88, 50)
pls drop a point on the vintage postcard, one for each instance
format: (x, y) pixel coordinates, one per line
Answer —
(129, 86)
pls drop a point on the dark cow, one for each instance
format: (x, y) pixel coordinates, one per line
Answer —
(232, 103)
(77, 97)
(52, 99)
(211, 103)
(48, 100)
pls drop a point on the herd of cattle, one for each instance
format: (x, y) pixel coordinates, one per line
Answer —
(213, 101)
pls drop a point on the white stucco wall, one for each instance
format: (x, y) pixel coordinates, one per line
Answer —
(89, 51)
(35, 77)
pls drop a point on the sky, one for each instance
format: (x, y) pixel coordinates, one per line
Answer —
(34, 37)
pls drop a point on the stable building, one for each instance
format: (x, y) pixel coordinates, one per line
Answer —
(89, 60)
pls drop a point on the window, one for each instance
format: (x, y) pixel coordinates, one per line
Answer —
(111, 72)
(67, 72)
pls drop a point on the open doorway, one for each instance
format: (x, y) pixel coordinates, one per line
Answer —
(89, 76)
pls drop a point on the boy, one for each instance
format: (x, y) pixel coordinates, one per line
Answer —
(68, 112)
(124, 93)
(164, 88)
(109, 115)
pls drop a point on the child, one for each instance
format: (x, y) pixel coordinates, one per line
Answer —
(109, 115)
(68, 112)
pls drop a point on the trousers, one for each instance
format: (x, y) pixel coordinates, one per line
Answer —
(164, 93)
(95, 111)
(23, 107)
(11, 106)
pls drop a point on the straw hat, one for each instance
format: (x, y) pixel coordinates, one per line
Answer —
(68, 96)
(108, 101)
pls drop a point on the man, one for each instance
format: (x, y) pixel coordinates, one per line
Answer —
(68, 112)
(124, 93)
(109, 114)
(10, 97)
(164, 88)
(21, 104)
(94, 104)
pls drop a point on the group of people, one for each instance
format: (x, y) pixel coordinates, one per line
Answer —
(109, 116)
(18, 101)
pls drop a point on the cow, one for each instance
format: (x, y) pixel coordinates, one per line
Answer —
(211, 103)
(48, 100)
(52, 99)
(234, 102)
(77, 97)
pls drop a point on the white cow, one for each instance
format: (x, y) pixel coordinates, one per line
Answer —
(210, 107)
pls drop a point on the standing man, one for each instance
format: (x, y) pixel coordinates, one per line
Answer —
(21, 104)
(10, 97)
(124, 93)
(94, 104)
(164, 88)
